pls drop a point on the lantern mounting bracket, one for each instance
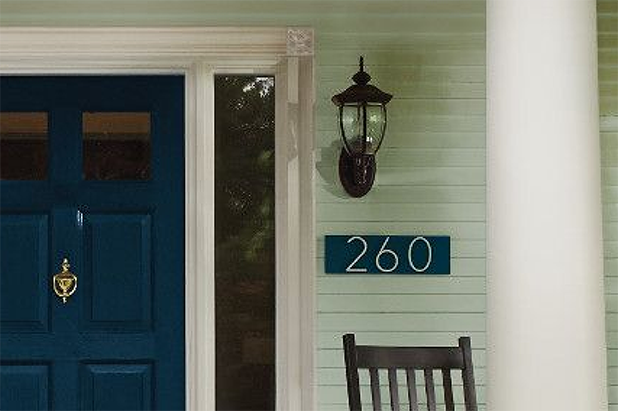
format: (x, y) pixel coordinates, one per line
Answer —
(356, 173)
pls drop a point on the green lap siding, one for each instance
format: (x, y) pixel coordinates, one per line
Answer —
(431, 168)
(608, 88)
(430, 180)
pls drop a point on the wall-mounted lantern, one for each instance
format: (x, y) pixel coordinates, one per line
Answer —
(362, 122)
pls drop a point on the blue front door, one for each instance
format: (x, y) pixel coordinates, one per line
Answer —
(92, 171)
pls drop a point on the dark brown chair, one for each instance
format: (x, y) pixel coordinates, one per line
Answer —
(409, 359)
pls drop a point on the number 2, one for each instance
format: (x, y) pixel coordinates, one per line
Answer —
(351, 268)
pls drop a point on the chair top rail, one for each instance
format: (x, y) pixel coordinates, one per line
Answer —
(409, 357)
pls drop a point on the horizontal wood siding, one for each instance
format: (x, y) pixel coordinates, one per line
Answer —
(608, 89)
(430, 180)
(431, 169)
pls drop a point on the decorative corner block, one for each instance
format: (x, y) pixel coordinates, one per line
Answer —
(300, 41)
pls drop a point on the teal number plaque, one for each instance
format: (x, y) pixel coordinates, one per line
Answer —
(387, 254)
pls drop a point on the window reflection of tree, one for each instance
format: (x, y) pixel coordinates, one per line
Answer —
(245, 241)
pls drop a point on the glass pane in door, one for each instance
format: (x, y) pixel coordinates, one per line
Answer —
(116, 145)
(23, 145)
(245, 242)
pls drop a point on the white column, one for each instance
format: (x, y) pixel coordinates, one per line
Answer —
(545, 304)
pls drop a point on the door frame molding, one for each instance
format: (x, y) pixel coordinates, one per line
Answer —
(199, 53)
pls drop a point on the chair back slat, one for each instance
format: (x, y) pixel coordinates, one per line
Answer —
(430, 390)
(447, 384)
(393, 387)
(409, 359)
(467, 374)
(376, 396)
(412, 397)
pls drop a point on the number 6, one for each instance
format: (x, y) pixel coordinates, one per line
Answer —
(384, 250)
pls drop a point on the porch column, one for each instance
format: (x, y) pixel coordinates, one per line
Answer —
(545, 302)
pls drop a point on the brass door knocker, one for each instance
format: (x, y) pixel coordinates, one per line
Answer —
(65, 282)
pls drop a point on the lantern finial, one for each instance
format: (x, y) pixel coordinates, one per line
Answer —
(361, 78)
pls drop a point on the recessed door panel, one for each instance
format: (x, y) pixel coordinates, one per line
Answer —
(121, 387)
(24, 387)
(23, 263)
(117, 281)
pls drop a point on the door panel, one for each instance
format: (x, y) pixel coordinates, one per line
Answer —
(131, 384)
(24, 251)
(24, 387)
(112, 203)
(117, 295)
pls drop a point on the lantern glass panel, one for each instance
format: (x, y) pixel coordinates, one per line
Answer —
(352, 128)
(376, 122)
(353, 120)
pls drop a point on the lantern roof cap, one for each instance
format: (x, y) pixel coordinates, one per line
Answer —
(361, 92)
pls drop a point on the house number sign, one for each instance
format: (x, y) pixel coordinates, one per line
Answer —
(387, 254)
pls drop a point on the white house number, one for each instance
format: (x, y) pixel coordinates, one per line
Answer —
(387, 260)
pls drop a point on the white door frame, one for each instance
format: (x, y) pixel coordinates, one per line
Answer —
(199, 53)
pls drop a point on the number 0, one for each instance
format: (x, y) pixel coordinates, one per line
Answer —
(411, 252)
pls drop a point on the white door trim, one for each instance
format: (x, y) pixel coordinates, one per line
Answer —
(199, 53)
